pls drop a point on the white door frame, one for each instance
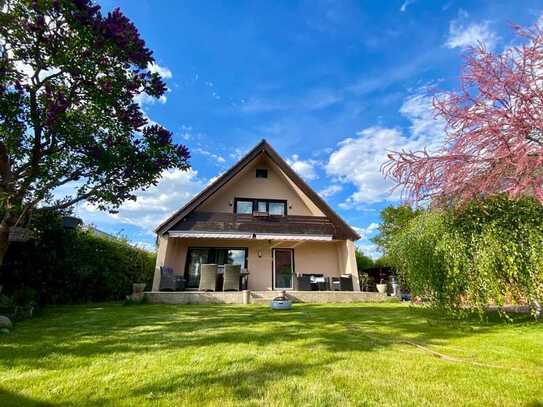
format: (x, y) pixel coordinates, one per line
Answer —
(273, 268)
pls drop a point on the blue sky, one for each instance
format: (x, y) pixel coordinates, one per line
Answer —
(332, 85)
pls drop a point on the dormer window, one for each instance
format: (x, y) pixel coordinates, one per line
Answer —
(261, 173)
(244, 206)
(260, 207)
(276, 208)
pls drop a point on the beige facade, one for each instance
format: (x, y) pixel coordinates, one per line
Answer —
(331, 259)
(275, 186)
(321, 242)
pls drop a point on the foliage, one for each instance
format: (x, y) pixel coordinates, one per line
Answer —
(494, 136)
(239, 355)
(69, 266)
(69, 79)
(362, 261)
(393, 219)
(490, 252)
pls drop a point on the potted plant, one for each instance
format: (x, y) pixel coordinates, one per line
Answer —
(381, 287)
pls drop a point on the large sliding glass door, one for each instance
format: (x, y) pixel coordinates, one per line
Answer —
(197, 256)
(283, 268)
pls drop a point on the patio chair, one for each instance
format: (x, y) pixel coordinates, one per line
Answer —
(231, 277)
(303, 282)
(335, 284)
(208, 277)
(324, 285)
(180, 283)
(167, 279)
(346, 282)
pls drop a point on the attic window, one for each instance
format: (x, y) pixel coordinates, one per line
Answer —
(261, 173)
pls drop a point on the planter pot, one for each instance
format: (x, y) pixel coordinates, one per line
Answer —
(138, 288)
(281, 304)
(381, 288)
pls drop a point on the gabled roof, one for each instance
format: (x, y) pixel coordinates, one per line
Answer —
(261, 148)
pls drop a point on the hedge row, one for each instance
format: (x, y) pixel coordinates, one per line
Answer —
(71, 266)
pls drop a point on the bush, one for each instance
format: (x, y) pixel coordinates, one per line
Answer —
(71, 266)
(488, 253)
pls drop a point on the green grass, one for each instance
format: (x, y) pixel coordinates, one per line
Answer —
(325, 355)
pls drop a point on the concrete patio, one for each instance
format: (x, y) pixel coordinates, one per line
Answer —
(260, 297)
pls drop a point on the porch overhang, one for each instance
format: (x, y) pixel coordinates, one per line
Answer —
(248, 236)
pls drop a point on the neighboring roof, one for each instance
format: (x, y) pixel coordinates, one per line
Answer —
(261, 148)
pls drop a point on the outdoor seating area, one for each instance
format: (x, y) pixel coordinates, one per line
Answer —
(231, 277)
(318, 282)
(213, 278)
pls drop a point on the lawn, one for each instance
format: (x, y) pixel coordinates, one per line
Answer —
(325, 355)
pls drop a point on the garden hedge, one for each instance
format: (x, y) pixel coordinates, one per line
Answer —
(73, 265)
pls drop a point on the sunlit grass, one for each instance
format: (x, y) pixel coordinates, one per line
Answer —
(326, 355)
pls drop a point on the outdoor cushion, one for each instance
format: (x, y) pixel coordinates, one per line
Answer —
(346, 282)
(167, 279)
(208, 277)
(304, 282)
(231, 277)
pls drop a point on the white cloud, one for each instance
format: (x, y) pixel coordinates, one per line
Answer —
(406, 4)
(304, 168)
(359, 160)
(419, 111)
(153, 205)
(237, 154)
(368, 247)
(164, 72)
(145, 99)
(330, 190)
(464, 35)
(219, 158)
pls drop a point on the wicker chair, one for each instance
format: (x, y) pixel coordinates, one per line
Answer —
(167, 279)
(346, 282)
(231, 277)
(208, 277)
(303, 282)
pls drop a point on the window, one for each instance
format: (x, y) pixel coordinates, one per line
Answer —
(219, 255)
(244, 206)
(260, 207)
(277, 208)
(261, 173)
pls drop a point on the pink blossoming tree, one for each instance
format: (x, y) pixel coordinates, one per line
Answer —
(493, 131)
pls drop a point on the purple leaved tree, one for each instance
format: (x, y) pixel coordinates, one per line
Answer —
(69, 76)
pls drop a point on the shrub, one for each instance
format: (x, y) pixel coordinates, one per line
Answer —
(489, 252)
(70, 266)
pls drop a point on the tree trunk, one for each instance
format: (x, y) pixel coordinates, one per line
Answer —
(4, 241)
(7, 222)
(537, 309)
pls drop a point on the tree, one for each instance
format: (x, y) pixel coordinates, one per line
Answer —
(393, 220)
(488, 252)
(362, 261)
(494, 131)
(69, 76)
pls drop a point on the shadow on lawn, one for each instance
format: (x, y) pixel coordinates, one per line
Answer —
(8, 398)
(101, 330)
(111, 330)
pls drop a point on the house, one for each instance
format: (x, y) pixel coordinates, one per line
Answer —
(261, 215)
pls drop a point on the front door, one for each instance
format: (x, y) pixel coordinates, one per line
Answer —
(283, 268)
